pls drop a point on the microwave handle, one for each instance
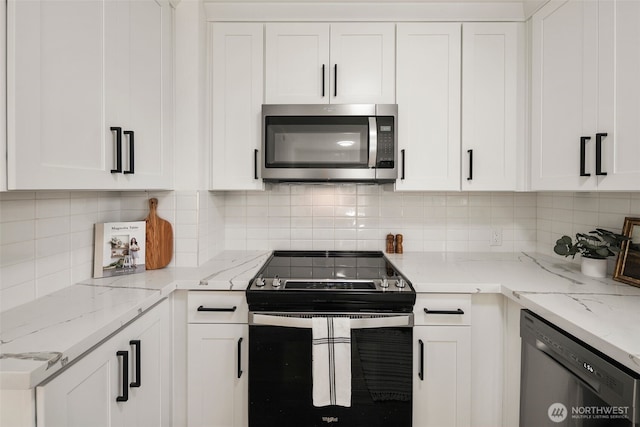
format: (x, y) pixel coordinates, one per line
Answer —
(373, 142)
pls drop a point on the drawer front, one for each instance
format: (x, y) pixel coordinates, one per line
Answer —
(217, 307)
(443, 309)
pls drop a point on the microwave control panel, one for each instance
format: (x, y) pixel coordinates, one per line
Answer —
(386, 142)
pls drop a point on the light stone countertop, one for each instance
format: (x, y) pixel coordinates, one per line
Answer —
(37, 339)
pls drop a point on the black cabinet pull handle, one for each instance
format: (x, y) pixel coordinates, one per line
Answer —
(130, 134)
(421, 372)
(323, 80)
(402, 166)
(239, 357)
(458, 311)
(599, 137)
(335, 80)
(470, 177)
(118, 131)
(217, 309)
(583, 154)
(125, 376)
(138, 364)
(255, 164)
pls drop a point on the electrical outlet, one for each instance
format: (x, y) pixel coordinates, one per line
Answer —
(496, 237)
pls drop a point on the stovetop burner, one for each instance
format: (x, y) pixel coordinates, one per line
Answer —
(330, 280)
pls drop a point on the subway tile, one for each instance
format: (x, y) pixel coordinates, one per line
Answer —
(17, 295)
(17, 210)
(17, 231)
(12, 275)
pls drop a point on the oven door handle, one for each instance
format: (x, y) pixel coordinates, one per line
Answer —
(304, 321)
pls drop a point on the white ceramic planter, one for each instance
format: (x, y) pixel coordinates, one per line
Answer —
(594, 267)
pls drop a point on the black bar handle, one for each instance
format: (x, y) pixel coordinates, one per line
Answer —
(599, 137)
(239, 357)
(402, 166)
(323, 80)
(217, 309)
(130, 134)
(125, 376)
(583, 154)
(335, 80)
(255, 164)
(421, 371)
(470, 177)
(118, 131)
(138, 364)
(458, 311)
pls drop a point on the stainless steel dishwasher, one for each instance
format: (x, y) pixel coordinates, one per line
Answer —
(565, 382)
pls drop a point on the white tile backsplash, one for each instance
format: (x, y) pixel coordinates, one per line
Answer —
(561, 214)
(46, 238)
(360, 216)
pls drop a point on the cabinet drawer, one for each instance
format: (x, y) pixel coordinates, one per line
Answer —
(443, 309)
(217, 307)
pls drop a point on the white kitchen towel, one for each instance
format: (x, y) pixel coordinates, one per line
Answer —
(331, 351)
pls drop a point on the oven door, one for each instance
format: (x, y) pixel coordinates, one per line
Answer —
(280, 379)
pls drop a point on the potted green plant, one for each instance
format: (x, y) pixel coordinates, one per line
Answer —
(594, 247)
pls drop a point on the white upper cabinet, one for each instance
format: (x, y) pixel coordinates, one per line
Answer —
(584, 91)
(564, 96)
(490, 106)
(618, 94)
(428, 92)
(297, 63)
(350, 63)
(454, 77)
(77, 72)
(236, 71)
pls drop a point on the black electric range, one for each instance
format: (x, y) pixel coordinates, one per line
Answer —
(347, 281)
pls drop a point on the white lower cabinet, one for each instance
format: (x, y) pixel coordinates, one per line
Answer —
(442, 386)
(123, 382)
(217, 354)
(442, 357)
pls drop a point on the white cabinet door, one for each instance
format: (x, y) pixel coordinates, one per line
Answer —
(618, 94)
(236, 100)
(57, 89)
(148, 52)
(217, 375)
(442, 384)
(490, 106)
(315, 63)
(86, 394)
(564, 95)
(428, 94)
(75, 70)
(150, 397)
(363, 63)
(297, 63)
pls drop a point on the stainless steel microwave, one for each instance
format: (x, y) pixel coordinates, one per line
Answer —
(330, 143)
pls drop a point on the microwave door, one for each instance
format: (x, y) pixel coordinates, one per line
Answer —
(319, 148)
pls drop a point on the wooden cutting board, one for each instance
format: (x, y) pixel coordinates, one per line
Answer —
(159, 245)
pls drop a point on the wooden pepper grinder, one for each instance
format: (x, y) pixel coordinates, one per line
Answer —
(399, 248)
(390, 248)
